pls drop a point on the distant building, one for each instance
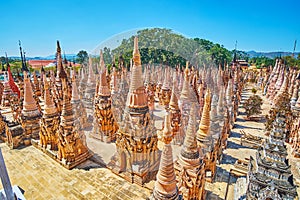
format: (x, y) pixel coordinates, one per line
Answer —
(38, 64)
(243, 64)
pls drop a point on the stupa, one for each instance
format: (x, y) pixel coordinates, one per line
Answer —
(189, 169)
(203, 130)
(49, 121)
(90, 87)
(71, 150)
(137, 157)
(270, 176)
(30, 115)
(165, 184)
(105, 126)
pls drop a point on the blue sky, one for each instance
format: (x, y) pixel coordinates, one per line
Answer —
(256, 25)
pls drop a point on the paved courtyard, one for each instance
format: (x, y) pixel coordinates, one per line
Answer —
(43, 178)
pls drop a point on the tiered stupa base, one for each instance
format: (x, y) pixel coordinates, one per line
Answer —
(138, 176)
(53, 154)
(102, 136)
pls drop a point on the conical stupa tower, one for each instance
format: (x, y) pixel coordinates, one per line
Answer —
(150, 88)
(106, 125)
(71, 150)
(229, 102)
(203, 131)
(294, 95)
(166, 90)
(90, 87)
(1, 92)
(136, 140)
(184, 100)
(82, 83)
(36, 85)
(188, 168)
(78, 107)
(36, 90)
(49, 121)
(178, 133)
(114, 82)
(30, 115)
(165, 184)
(60, 76)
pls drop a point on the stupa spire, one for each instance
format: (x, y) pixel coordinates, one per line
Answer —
(174, 101)
(165, 184)
(205, 118)
(136, 53)
(189, 155)
(167, 132)
(60, 69)
(75, 95)
(137, 96)
(185, 93)
(103, 89)
(29, 103)
(49, 107)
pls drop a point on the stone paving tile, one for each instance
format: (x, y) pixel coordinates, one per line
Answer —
(43, 178)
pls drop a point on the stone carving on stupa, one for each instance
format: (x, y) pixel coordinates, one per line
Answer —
(165, 185)
(30, 115)
(71, 150)
(270, 175)
(188, 167)
(137, 156)
(49, 121)
(105, 124)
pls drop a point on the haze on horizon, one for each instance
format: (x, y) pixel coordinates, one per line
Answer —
(260, 25)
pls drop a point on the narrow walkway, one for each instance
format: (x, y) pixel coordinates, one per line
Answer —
(235, 151)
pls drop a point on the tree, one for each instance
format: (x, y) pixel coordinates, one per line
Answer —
(283, 108)
(262, 61)
(163, 46)
(82, 56)
(253, 105)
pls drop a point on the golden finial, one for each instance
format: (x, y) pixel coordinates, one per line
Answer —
(136, 53)
(186, 72)
(167, 132)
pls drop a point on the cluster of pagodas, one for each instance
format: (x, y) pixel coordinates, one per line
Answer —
(281, 87)
(46, 115)
(200, 105)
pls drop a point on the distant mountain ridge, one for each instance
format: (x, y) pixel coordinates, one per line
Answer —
(270, 54)
(251, 54)
(69, 57)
